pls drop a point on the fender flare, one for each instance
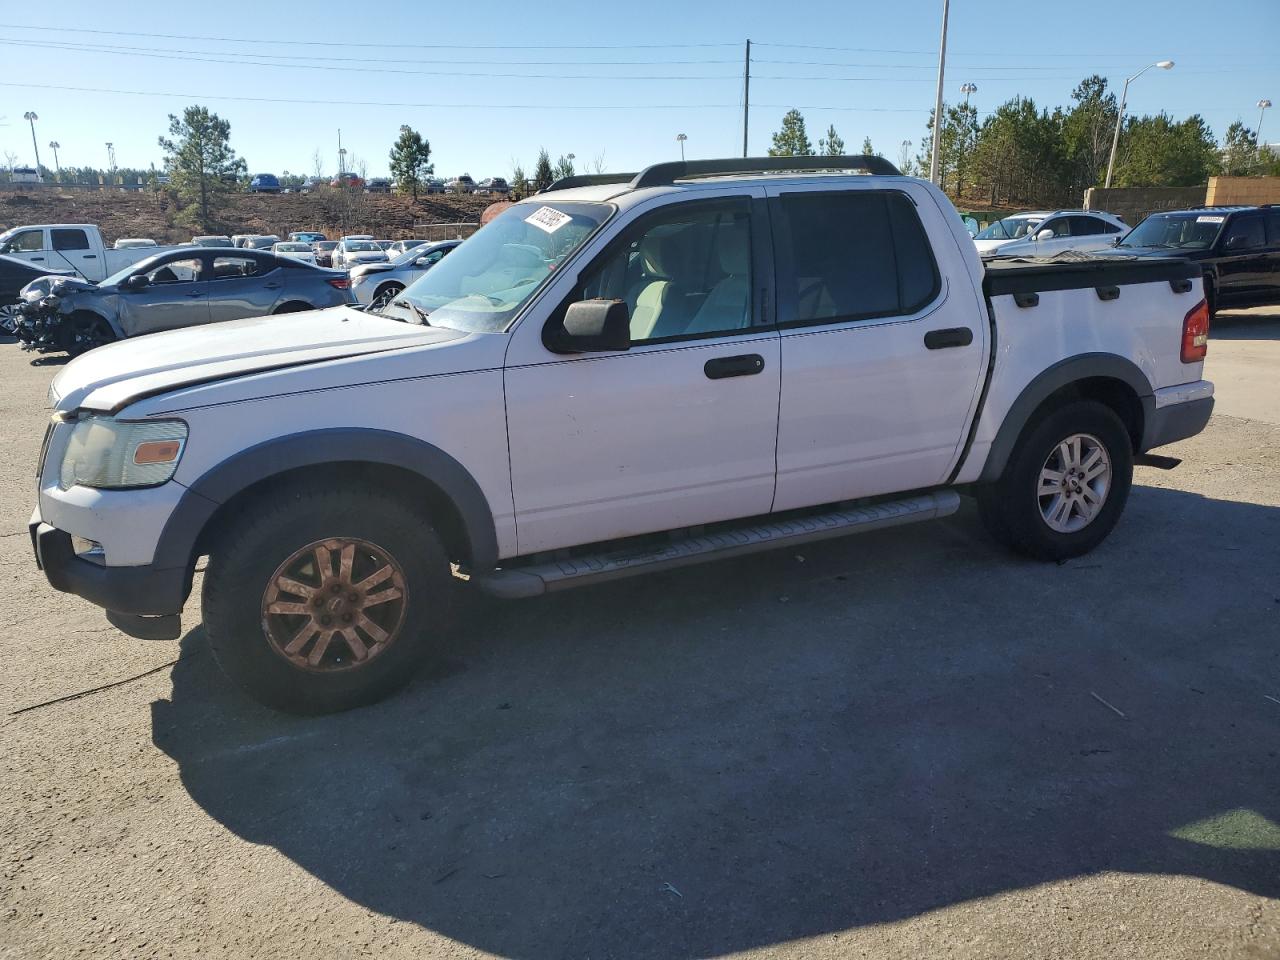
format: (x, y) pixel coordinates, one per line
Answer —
(1085, 366)
(218, 485)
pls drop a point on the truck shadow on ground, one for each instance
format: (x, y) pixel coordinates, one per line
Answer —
(789, 745)
(1261, 324)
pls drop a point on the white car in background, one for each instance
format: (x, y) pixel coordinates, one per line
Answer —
(402, 246)
(295, 249)
(133, 243)
(352, 252)
(1045, 233)
(380, 283)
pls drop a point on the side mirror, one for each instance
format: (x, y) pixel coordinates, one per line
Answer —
(592, 325)
(135, 282)
(1045, 235)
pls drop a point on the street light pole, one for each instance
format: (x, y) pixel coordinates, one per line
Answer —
(680, 139)
(1262, 108)
(57, 167)
(1124, 97)
(31, 118)
(937, 101)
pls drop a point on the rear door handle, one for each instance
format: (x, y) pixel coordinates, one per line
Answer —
(37, 259)
(195, 294)
(272, 286)
(950, 337)
(746, 365)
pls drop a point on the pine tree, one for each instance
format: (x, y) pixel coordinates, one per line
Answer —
(831, 145)
(791, 140)
(410, 160)
(543, 175)
(200, 160)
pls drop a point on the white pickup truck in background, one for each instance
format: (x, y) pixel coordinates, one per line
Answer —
(621, 374)
(71, 246)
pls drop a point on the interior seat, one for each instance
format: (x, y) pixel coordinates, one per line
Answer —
(650, 296)
(728, 305)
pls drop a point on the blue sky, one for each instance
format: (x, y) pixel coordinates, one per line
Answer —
(494, 82)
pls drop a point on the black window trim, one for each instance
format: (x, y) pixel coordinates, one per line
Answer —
(761, 268)
(783, 261)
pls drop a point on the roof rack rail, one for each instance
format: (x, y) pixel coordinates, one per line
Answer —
(590, 180)
(664, 174)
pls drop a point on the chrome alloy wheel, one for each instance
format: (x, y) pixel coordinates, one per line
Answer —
(1074, 483)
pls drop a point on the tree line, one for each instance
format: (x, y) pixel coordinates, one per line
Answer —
(1026, 155)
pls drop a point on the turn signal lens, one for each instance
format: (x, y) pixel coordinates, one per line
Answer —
(1195, 333)
(157, 451)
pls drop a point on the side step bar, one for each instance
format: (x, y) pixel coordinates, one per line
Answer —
(535, 579)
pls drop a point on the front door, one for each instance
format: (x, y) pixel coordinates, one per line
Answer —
(681, 428)
(1244, 270)
(884, 342)
(243, 286)
(173, 297)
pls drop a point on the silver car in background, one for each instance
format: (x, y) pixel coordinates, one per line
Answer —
(378, 284)
(351, 252)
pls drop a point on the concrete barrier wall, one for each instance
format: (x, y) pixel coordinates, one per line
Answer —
(1135, 203)
(1243, 190)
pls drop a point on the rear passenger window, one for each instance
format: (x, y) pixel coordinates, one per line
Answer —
(1086, 226)
(70, 240)
(1273, 229)
(1246, 233)
(851, 255)
(225, 268)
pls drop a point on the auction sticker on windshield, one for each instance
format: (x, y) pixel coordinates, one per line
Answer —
(1210, 219)
(548, 219)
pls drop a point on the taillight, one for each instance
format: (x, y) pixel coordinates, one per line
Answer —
(1195, 333)
(340, 283)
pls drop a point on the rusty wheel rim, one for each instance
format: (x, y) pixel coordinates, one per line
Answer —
(334, 605)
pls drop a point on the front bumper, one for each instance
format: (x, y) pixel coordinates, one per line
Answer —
(144, 601)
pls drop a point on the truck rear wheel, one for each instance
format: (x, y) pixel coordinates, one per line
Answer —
(323, 599)
(1065, 485)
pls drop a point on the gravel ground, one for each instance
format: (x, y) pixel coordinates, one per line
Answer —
(906, 744)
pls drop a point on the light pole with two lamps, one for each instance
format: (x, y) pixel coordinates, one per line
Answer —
(680, 139)
(31, 118)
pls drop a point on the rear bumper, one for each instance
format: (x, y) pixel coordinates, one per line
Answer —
(1175, 421)
(142, 590)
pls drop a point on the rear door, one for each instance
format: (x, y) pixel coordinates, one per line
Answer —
(1090, 233)
(73, 250)
(241, 285)
(884, 342)
(1245, 267)
(1272, 293)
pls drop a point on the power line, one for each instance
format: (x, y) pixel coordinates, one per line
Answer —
(381, 46)
(452, 105)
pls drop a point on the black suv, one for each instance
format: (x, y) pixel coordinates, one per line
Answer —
(1239, 248)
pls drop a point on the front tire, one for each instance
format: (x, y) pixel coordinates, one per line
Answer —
(385, 294)
(321, 599)
(1065, 485)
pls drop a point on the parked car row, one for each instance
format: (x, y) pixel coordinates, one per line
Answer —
(1045, 233)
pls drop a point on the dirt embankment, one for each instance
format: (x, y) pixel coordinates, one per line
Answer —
(147, 214)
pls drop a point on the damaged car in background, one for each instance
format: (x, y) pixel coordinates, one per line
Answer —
(181, 288)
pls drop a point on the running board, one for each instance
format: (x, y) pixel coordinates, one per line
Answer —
(535, 579)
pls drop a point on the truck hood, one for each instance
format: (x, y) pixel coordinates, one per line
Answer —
(108, 378)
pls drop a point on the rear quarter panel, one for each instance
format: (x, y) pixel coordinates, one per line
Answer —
(1143, 325)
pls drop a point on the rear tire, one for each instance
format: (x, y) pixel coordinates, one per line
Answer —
(1065, 485)
(324, 598)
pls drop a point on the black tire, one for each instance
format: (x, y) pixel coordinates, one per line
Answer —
(84, 330)
(246, 561)
(385, 294)
(1011, 507)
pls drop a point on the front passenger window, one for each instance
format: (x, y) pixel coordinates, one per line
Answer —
(683, 272)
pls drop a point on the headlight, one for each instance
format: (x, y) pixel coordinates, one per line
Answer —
(114, 454)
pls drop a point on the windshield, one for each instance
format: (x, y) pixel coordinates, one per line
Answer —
(410, 253)
(1191, 230)
(484, 281)
(1010, 228)
(362, 246)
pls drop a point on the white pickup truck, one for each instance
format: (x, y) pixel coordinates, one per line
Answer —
(622, 374)
(71, 246)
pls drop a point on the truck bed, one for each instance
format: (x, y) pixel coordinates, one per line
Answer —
(1042, 275)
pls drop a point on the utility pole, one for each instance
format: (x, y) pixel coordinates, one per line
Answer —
(937, 101)
(342, 154)
(746, 95)
(31, 118)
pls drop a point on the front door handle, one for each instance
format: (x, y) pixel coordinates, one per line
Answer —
(746, 365)
(37, 259)
(272, 286)
(950, 337)
(90, 256)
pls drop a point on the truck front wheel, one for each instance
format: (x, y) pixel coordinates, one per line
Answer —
(319, 599)
(1065, 485)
